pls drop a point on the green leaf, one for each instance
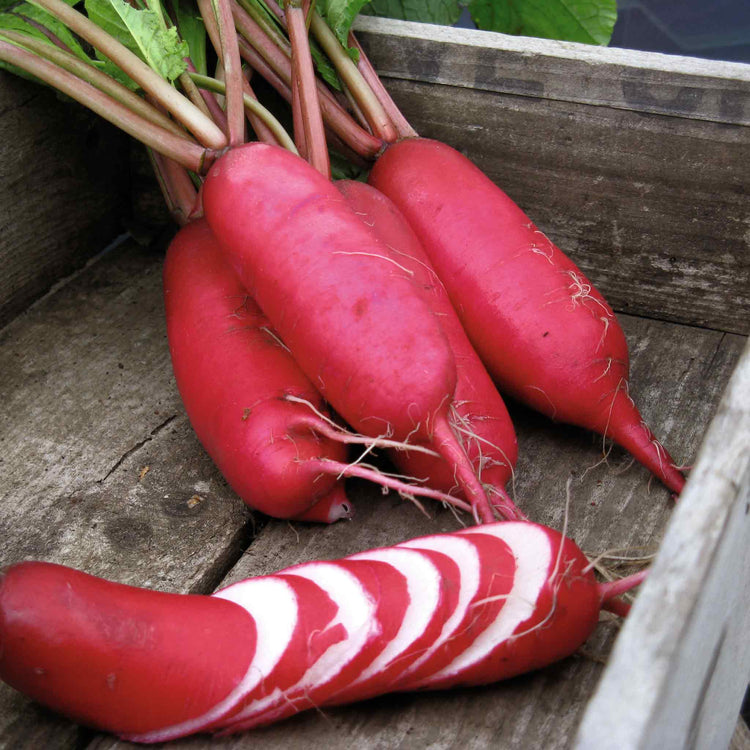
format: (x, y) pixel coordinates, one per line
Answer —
(324, 66)
(193, 32)
(144, 33)
(339, 15)
(29, 18)
(445, 12)
(589, 21)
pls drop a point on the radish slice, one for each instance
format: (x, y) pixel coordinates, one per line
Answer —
(356, 609)
(272, 603)
(313, 634)
(532, 549)
(429, 604)
(465, 553)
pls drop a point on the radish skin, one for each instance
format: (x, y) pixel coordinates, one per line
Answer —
(256, 413)
(233, 376)
(479, 412)
(349, 315)
(544, 332)
(463, 608)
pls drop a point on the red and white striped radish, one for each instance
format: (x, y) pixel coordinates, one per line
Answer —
(463, 608)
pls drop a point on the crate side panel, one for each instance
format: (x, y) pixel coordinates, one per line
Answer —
(64, 192)
(679, 670)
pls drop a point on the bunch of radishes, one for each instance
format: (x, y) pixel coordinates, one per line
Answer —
(305, 316)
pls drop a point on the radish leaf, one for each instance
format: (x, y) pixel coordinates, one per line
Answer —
(339, 15)
(445, 12)
(193, 32)
(144, 33)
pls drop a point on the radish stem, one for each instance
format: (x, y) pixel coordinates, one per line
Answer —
(376, 115)
(217, 16)
(180, 148)
(253, 105)
(304, 76)
(95, 77)
(204, 129)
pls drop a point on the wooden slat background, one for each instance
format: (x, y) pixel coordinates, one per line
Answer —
(64, 192)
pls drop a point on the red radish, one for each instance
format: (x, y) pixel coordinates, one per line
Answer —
(117, 657)
(372, 600)
(463, 608)
(480, 414)
(544, 332)
(238, 382)
(348, 314)
(329, 509)
(233, 376)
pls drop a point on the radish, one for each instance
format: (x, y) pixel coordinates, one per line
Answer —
(480, 414)
(247, 399)
(117, 657)
(545, 334)
(233, 376)
(349, 315)
(463, 608)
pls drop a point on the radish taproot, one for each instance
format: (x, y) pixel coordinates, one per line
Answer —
(480, 416)
(349, 315)
(462, 608)
(247, 399)
(544, 332)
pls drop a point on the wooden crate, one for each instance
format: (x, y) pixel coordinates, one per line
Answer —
(634, 163)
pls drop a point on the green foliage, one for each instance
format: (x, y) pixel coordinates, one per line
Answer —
(589, 21)
(192, 31)
(444, 12)
(339, 15)
(144, 32)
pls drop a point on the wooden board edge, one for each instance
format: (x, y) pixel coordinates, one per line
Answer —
(677, 675)
(650, 82)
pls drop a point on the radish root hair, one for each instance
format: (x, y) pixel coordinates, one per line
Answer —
(328, 428)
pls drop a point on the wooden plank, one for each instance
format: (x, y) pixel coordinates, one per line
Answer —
(652, 207)
(127, 530)
(565, 71)
(64, 193)
(679, 671)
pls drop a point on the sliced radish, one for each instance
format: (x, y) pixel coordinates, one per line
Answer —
(272, 604)
(355, 615)
(532, 549)
(478, 581)
(431, 600)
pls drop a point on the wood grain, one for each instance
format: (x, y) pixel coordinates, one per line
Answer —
(64, 192)
(82, 429)
(680, 667)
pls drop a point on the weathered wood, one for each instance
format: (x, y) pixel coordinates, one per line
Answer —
(689, 87)
(64, 192)
(680, 667)
(651, 203)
